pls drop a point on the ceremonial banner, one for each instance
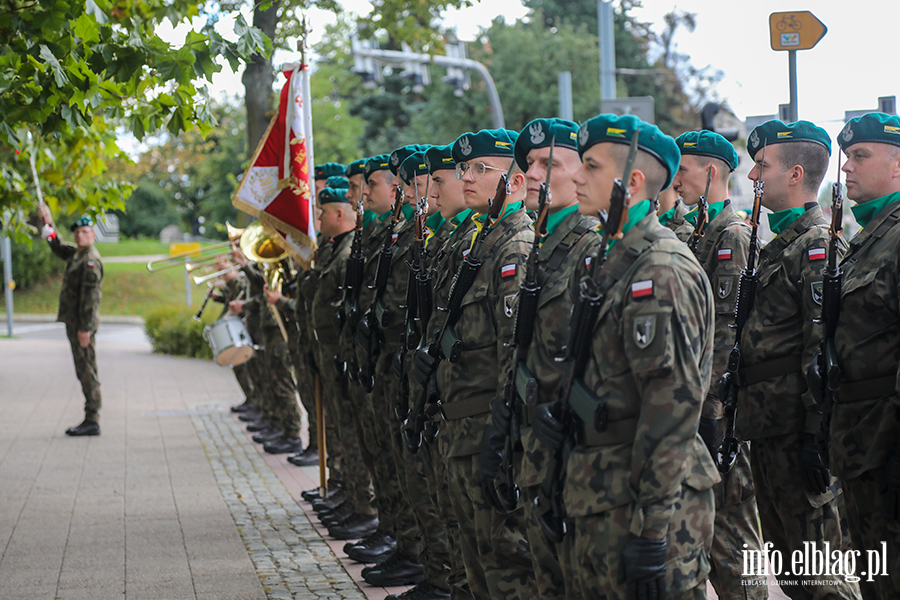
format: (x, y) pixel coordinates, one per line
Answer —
(276, 187)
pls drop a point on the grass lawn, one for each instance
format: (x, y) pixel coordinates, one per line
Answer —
(136, 247)
(128, 289)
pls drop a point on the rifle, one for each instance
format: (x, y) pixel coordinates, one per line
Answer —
(447, 344)
(368, 333)
(702, 215)
(832, 282)
(347, 312)
(591, 294)
(746, 293)
(529, 292)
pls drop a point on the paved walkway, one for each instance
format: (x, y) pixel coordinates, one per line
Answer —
(173, 501)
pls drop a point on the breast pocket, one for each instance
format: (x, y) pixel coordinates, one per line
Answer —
(476, 327)
(774, 300)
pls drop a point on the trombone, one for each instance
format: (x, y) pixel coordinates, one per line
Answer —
(205, 255)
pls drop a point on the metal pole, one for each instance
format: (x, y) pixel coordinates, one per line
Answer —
(565, 95)
(792, 77)
(6, 255)
(607, 43)
(187, 286)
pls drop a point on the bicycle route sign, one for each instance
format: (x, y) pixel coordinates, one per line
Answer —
(798, 30)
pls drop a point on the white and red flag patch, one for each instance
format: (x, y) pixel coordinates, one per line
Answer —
(394, 237)
(724, 254)
(639, 289)
(507, 271)
(817, 254)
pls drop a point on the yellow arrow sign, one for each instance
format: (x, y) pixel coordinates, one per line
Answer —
(799, 30)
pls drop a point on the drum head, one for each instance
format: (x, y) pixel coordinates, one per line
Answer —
(234, 356)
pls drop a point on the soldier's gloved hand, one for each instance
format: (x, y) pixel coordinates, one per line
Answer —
(642, 568)
(814, 469)
(489, 464)
(814, 377)
(724, 385)
(424, 364)
(892, 485)
(500, 414)
(548, 429)
(709, 431)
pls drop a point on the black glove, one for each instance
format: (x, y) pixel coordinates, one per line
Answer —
(424, 365)
(892, 485)
(547, 427)
(489, 464)
(642, 568)
(815, 471)
(500, 414)
(709, 431)
(814, 378)
(724, 385)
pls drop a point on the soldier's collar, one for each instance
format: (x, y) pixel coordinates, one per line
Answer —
(866, 211)
(555, 219)
(635, 214)
(712, 210)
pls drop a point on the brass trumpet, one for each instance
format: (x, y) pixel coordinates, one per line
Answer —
(258, 246)
(202, 257)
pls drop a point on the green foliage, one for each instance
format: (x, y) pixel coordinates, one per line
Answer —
(148, 210)
(172, 330)
(34, 263)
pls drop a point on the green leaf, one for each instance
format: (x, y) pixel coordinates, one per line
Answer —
(86, 28)
(58, 72)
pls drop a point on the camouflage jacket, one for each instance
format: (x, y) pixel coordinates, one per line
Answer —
(234, 289)
(780, 335)
(393, 318)
(561, 255)
(676, 221)
(650, 362)
(79, 299)
(864, 424)
(347, 343)
(484, 328)
(722, 252)
(329, 279)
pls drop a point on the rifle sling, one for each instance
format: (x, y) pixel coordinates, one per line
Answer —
(866, 389)
(561, 251)
(770, 369)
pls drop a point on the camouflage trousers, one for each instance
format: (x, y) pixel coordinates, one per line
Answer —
(591, 551)
(344, 442)
(873, 533)
(284, 410)
(545, 557)
(439, 490)
(86, 370)
(494, 548)
(790, 515)
(434, 554)
(242, 373)
(257, 369)
(306, 389)
(736, 530)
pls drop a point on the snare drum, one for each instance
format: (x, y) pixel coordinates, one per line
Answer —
(229, 340)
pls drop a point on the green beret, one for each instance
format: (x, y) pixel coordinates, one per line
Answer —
(337, 181)
(776, 132)
(328, 170)
(538, 134)
(401, 154)
(330, 194)
(873, 127)
(84, 221)
(487, 142)
(377, 163)
(413, 166)
(618, 130)
(707, 143)
(439, 157)
(357, 167)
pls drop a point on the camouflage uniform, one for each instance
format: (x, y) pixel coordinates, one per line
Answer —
(722, 252)
(495, 551)
(303, 347)
(775, 407)
(648, 474)
(864, 420)
(79, 309)
(243, 372)
(564, 249)
(330, 271)
(674, 220)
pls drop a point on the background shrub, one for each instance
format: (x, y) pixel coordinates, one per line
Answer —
(172, 330)
(34, 264)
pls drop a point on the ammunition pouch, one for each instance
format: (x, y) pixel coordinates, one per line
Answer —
(589, 408)
(526, 385)
(595, 428)
(451, 345)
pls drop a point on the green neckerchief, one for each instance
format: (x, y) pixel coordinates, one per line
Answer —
(368, 215)
(461, 217)
(712, 211)
(434, 222)
(866, 211)
(781, 220)
(510, 208)
(554, 219)
(408, 211)
(383, 216)
(667, 216)
(635, 214)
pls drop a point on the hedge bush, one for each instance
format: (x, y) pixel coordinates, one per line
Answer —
(34, 264)
(172, 330)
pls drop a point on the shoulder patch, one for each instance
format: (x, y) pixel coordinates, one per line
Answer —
(816, 288)
(642, 289)
(817, 254)
(509, 304)
(394, 237)
(508, 271)
(724, 254)
(724, 286)
(644, 330)
(587, 262)
(90, 263)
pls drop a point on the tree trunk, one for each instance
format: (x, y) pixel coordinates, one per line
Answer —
(258, 78)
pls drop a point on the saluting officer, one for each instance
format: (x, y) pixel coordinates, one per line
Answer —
(79, 309)
(638, 489)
